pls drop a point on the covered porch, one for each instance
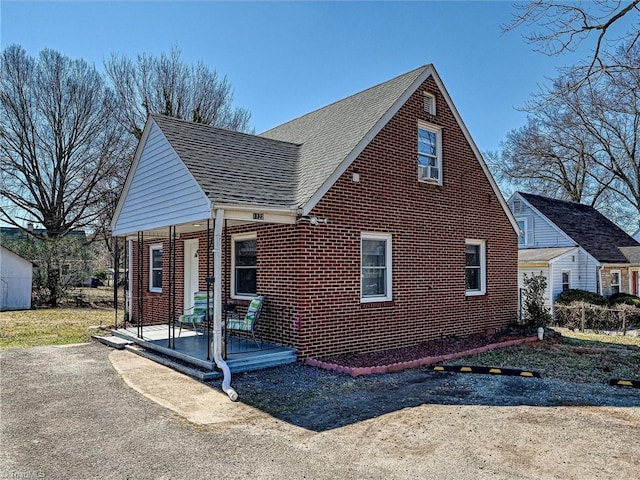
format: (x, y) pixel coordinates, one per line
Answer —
(166, 266)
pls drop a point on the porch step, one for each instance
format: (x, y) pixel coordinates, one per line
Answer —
(259, 362)
(178, 366)
(113, 341)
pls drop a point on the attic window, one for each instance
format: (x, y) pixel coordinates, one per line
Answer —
(429, 103)
(517, 206)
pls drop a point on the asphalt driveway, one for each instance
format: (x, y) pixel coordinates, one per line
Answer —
(84, 411)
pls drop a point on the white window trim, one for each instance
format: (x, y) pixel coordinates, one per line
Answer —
(570, 272)
(240, 237)
(524, 231)
(389, 267)
(619, 284)
(438, 131)
(153, 248)
(483, 267)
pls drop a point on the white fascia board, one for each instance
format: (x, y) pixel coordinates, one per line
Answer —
(245, 213)
(479, 157)
(130, 174)
(379, 125)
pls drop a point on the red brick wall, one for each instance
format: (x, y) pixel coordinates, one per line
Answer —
(311, 274)
(429, 225)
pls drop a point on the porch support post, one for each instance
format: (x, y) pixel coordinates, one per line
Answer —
(116, 277)
(217, 306)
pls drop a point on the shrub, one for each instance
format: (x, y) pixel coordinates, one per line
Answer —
(534, 312)
(576, 295)
(625, 298)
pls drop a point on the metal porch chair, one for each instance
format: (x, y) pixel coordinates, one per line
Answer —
(246, 323)
(198, 313)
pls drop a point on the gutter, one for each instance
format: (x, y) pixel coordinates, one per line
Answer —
(216, 344)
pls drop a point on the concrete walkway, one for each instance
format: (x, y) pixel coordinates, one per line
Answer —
(183, 395)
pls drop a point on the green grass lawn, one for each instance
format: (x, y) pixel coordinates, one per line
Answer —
(30, 328)
(573, 356)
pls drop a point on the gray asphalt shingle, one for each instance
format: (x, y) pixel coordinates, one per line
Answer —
(586, 226)
(286, 165)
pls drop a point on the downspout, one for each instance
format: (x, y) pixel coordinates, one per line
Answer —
(600, 286)
(217, 307)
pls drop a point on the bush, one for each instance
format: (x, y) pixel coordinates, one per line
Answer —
(575, 295)
(624, 298)
(535, 313)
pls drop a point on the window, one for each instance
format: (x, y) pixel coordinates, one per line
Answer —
(475, 270)
(429, 153)
(517, 206)
(522, 236)
(155, 268)
(244, 257)
(375, 267)
(566, 280)
(615, 281)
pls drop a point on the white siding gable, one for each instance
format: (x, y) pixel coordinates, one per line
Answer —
(583, 272)
(160, 192)
(540, 232)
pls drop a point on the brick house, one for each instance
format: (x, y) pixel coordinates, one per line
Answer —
(574, 246)
(371, 223)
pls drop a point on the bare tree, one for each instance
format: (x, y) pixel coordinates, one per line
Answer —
(564, 26)
(166, 85)
(582, 142)
(58, 143)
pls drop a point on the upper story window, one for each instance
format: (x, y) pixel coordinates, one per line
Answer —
(429, 153)
(244, 266)
(522, 235)
(155, 268)
(475, 269)
(375, 264)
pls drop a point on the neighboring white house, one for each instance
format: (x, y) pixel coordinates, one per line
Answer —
(16, 275)
(574, 246)
(637, 235)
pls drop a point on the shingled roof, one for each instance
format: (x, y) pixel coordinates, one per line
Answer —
(292, 161)
(330, 134)
(586, 226)
(219, 158)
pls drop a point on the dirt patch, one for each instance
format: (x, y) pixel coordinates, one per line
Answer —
(319, 400)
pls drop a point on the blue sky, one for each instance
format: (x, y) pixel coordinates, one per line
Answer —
(285, 59)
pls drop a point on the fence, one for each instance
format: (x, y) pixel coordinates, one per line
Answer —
(586, 316)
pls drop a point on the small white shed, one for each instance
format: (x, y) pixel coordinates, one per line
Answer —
(16, 276)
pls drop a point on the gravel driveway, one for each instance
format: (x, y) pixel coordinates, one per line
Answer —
(67, 414)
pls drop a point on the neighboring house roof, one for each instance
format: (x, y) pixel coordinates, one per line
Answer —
(636, 235)
(632, 254)
(598, 235)
(541, 255)
(15, 234)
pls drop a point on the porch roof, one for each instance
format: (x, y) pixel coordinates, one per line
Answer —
(541, 255)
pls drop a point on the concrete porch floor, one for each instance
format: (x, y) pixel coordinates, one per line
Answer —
(193, 348)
